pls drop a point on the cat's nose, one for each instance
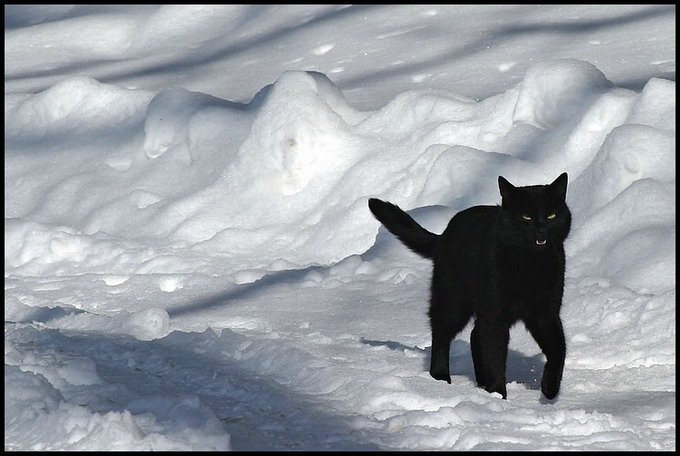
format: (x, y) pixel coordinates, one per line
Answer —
(541, 232)
(541, 237)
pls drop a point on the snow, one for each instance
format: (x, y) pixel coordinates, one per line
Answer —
(190, 263)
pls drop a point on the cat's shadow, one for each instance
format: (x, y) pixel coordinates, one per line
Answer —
(520, 368)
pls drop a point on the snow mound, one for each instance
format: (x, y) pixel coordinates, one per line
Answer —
(79, 105)
(290, 173)
(298, 164)
(557, 91)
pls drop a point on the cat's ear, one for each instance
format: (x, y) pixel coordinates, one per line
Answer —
(559, 186)
(505, 187)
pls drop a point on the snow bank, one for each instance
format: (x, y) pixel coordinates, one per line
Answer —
(289, 174)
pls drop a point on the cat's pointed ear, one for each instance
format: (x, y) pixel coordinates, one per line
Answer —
(559, 186)
(505, 187)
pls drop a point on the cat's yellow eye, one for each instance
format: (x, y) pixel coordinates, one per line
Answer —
(527, 218)
(552, 216)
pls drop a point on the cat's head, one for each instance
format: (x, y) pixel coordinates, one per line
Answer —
(536, 216)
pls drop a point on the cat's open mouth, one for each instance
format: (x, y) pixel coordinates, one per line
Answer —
(541, 239)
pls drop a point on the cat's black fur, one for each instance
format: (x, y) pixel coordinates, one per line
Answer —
(500, 264)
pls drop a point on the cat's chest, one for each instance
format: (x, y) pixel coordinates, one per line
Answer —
(528, 276)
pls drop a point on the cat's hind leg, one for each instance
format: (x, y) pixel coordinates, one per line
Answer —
(477, 357)
(447, 318)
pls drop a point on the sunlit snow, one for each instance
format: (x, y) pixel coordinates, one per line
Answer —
(190, 262)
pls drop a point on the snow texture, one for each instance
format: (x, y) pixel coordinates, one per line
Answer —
(190, 263)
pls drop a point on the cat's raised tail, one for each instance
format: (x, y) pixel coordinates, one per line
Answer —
(402, 225)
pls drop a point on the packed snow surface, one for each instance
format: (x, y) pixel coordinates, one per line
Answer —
(190, 263)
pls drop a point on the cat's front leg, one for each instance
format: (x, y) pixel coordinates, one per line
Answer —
(489, 354)
(548, 333)
(552, 378)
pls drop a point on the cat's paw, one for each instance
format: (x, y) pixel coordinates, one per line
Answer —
(550, 391)
(441, 376)
(500, 389)
(550, 383)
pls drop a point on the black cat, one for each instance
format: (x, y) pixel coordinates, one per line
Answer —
(501, 264)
